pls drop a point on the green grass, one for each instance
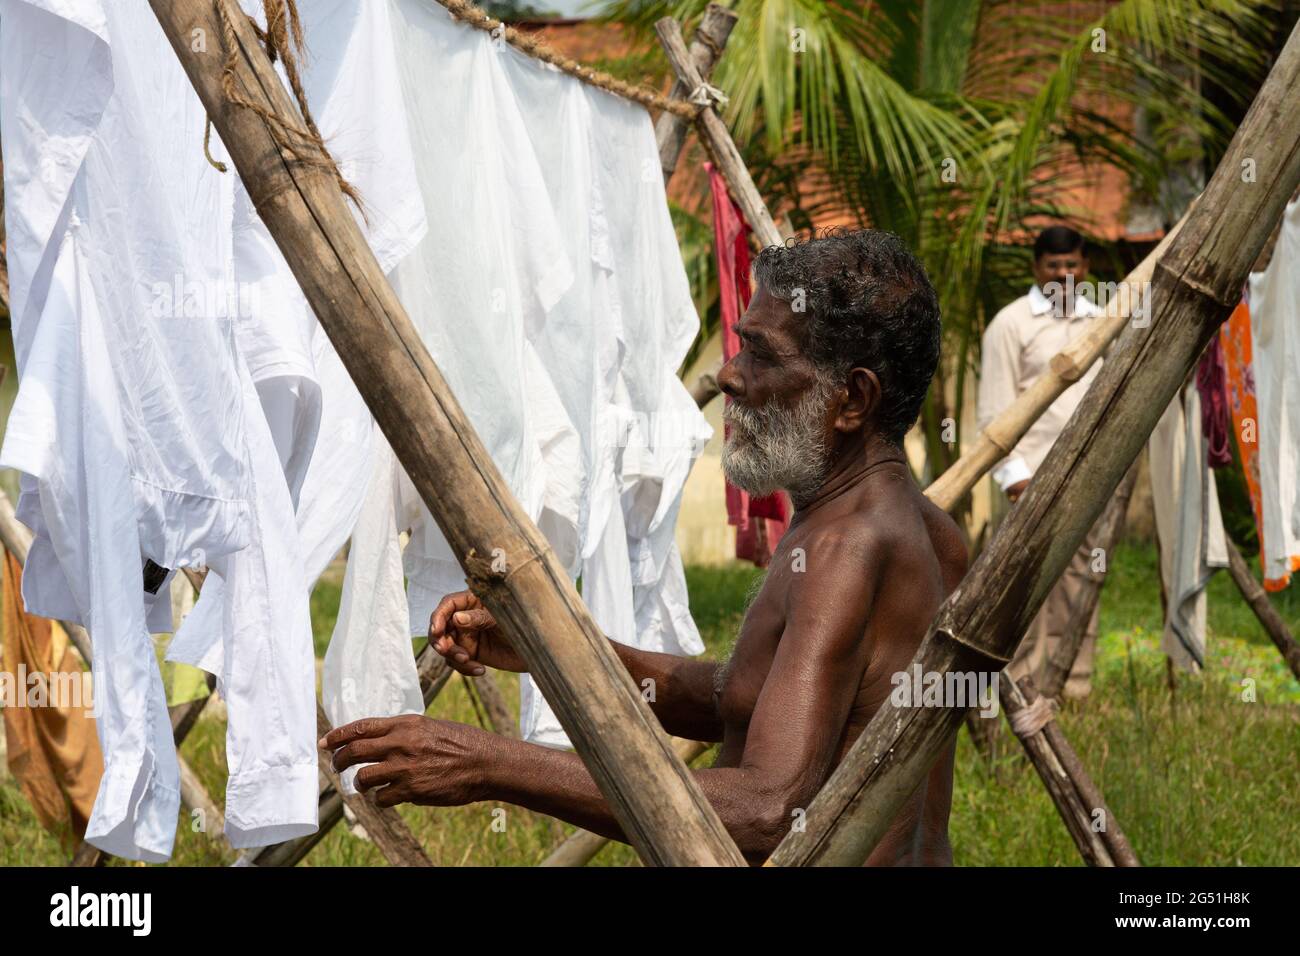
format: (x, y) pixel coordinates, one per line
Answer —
(1199, 777)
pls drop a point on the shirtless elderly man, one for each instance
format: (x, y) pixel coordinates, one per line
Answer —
(839, 345)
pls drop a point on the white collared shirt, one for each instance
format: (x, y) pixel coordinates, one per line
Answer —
(1018, 346)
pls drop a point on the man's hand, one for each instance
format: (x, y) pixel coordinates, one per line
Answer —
(1015, 491)
(465, 633)
(414, 759)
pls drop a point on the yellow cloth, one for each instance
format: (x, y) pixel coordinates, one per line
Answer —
(53, 751)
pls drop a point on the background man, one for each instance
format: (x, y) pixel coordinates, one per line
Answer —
(1018, 345)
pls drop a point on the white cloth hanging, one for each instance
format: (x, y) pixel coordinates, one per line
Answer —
(170, 391)
(369, 670)
(525, 310)
(1275, 337)
(350, 79)
(130, 438)
(647, 429)
(1189, 524)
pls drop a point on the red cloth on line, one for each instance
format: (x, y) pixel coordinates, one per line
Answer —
(1212, 385)
(731, 248)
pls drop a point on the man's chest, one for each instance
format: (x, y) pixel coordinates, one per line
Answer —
(1041, 338)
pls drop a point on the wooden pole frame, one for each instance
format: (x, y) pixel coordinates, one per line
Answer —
(706, 49)
(1257, 598)
(717, 140)
(652, 794)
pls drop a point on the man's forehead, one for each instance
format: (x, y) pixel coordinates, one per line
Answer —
(770, 318)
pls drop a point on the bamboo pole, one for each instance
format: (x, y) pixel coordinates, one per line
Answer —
(507, 561)
(1016, 701)
(1267, 615)
(706, 49)
(1195, 286)
(1108, 532)
(713, 132)
(1117, 844)
(580, 847)
(484, 690)
(670, 131)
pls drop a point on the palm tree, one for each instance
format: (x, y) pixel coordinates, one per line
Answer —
(958, 123)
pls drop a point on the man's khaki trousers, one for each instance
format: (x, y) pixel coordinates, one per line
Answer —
(1049, 626)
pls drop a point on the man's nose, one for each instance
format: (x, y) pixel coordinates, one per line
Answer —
(729, 381)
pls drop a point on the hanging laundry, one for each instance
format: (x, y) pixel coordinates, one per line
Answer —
(264, 589)
(633, 582)
(52, 749)
(1188, 524)
(1274, 306)
(369, 669)
(1239, 375)
(1216, 423)
(557, 333)
(759, 522)
(162, 338)
(126, 428)
(473, 301)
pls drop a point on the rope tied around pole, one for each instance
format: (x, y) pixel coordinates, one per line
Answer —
(1033, 717)
(283, 40)
(531, 45)
(708, 95)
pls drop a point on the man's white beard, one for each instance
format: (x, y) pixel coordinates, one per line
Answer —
(773, 448)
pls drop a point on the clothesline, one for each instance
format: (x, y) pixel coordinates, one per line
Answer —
(534, 47)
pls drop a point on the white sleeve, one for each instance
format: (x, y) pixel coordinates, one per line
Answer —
(999, 374)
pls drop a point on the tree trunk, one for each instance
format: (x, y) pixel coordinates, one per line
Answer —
(507, 561)
(1196, 285)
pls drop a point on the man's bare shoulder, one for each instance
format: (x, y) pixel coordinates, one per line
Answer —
(902, 527)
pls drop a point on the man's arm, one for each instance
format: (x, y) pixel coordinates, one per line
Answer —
(793, 734)
(678, 689)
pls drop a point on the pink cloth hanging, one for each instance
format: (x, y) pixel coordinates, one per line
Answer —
(759, 522)
(1212, 384)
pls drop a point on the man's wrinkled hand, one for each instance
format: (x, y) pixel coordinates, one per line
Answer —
(465, 633)
(413, 759)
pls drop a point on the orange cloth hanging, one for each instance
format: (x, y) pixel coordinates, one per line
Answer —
(53, 750)
(1235, 337)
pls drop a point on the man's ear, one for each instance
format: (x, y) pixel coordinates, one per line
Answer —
(859, 407)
